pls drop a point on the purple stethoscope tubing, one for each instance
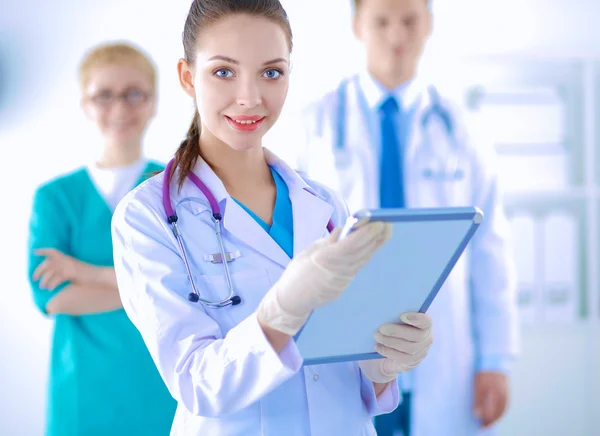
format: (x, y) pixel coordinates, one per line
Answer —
(172, 219)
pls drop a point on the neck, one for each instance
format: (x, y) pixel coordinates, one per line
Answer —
(120, 155)
(390, 80)
(237, 170)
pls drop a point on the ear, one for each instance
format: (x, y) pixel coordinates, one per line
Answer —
(186, 77)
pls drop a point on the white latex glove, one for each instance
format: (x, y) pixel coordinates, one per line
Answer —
(403, 347)
(319, 275)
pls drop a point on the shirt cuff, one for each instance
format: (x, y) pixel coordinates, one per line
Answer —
(387, 401)
(500, 364)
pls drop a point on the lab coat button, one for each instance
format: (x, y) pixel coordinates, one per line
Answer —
(316, 377)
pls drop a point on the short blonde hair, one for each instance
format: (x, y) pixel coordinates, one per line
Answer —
(118, 53)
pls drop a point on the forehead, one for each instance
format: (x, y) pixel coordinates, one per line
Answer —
(118, 77)
(245, 38)
(393, 7)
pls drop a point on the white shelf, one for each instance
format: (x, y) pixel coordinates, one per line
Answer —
(576, 76)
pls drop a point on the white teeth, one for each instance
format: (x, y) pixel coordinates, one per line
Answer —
(244, 121)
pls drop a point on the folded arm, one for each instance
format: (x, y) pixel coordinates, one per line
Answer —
(77, 299)
(60, 283)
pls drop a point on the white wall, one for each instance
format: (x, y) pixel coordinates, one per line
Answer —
(42, 133)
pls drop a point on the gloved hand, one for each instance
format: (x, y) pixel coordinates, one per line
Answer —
(319, 275)
(403, 347)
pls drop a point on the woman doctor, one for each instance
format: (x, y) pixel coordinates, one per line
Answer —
(234, 369)
(102, 379)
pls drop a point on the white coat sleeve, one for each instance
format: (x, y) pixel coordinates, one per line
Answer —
(208, 374)
(492, 270)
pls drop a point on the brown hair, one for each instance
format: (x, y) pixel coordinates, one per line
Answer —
(203, 13)
(116, 53)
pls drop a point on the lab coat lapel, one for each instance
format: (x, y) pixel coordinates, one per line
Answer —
(418, 93)
(412, 180)
(236, 220)
(242, 226)
(359, 143)
(310, 212)
(199, 203)
(311, 215)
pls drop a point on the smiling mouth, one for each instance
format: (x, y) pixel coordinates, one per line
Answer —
(244, 121)
(245, 124)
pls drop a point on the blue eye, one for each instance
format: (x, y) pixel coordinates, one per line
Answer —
(272, 74)
(223, 73)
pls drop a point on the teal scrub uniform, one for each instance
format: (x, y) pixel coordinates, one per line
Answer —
(282, 229)
(102, 379)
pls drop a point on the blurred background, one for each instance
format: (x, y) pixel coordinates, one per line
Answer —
(527, 70)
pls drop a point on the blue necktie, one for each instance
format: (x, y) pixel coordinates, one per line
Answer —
(391, 192)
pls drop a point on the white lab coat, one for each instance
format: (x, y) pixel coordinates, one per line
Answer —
(475, 312)
(217, 363)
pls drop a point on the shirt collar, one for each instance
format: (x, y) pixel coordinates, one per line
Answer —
(375, 93)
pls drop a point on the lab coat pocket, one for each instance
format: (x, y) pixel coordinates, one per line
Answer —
(442, 187)
(343, 159)
(250, 285)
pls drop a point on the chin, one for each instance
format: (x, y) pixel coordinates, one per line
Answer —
(242, 141)
(244, 145)
(124, 138)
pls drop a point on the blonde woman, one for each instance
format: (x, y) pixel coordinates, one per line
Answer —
(102, 379)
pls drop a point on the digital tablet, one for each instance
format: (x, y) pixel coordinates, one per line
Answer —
(404, 275)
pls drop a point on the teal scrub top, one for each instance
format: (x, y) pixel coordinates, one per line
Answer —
(282, 229)
(102, 379)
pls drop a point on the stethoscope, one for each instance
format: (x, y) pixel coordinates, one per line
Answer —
(172, 218)
(435, 109)
(194, 296)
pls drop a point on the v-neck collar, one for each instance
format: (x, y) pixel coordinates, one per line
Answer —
(99, 195)
(282, 229)
(277, 207)
(281, 195)
(311, 211)
(279, 210)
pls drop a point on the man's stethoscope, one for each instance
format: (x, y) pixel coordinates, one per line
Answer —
(435, 109)
(172, 219)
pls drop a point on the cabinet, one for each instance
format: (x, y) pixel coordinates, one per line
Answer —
(541, 113)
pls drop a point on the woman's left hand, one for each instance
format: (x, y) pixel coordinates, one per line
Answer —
(58, 268)
(403, 347)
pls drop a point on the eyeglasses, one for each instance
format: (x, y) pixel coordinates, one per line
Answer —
(131, 97)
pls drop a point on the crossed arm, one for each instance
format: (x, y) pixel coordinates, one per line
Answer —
(87, 288)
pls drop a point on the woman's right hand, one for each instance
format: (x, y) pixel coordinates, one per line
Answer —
(319, 275)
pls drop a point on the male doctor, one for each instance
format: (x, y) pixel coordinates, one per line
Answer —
(384, 139)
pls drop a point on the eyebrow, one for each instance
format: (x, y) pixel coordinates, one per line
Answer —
(233, 61)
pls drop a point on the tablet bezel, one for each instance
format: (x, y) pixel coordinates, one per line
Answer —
(407, 215)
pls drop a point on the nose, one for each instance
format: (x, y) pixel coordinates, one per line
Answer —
(119, 108)
(249, 93)
(397, 33)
